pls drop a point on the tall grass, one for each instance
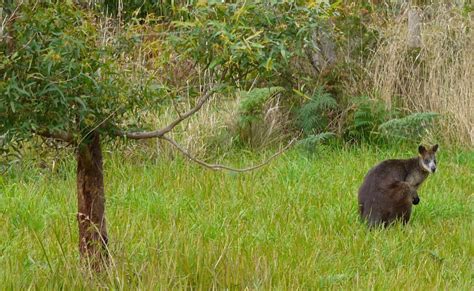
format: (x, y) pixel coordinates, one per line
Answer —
(290, 225)
(436, 78)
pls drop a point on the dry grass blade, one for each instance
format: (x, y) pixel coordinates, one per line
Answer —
(436, 78)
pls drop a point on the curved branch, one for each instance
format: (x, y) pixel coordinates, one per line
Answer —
(218, 167)
(161, 132)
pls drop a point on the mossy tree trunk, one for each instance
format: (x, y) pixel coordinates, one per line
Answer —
(414, 28)
(91, 202)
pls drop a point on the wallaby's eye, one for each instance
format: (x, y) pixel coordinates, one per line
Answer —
(427, 161)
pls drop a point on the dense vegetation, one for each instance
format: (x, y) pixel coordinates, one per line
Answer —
(334, 62)
(230, 82)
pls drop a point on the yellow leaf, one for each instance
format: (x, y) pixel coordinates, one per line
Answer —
(299, 93)
(269, 64)
(201, 3)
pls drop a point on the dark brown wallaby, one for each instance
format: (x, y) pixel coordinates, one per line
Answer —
(390, 188)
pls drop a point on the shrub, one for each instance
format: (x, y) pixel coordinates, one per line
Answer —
(364, 118)
(409, 128)
(312, 116)
(310, 142)
(371, 121)
(252, 102)
(249, 40)
(259, 116)
(129, 9)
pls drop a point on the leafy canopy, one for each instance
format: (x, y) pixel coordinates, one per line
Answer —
(250, 39)
(60, 76)
(57, 77)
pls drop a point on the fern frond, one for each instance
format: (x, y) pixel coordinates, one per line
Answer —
(311, 116)
(413, 126)
(311, 141)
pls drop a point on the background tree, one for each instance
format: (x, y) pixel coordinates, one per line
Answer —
(60, 83)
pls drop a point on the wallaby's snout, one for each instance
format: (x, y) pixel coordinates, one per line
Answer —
(432, 166)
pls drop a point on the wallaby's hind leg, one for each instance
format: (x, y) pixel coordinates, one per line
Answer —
(403, 195)
(375, 222)
(373, 216)
(406, 216)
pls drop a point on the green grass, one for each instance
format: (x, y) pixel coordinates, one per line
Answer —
(291, 225)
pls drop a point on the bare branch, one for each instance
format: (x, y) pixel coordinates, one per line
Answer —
(218, 167)
(161, 132)
(59, 135)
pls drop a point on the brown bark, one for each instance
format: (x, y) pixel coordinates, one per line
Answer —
(323, 57)
(414, 28)
(91, 202)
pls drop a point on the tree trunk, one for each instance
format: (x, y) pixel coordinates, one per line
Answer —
(91, 202)
(323, 56)
(414, 28)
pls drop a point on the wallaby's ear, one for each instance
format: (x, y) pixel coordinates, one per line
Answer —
(421, 149)
(435, 148)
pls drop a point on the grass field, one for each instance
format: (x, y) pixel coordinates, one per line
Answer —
(290, 225)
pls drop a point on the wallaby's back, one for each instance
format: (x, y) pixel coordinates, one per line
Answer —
(380, 196)
(389, 189)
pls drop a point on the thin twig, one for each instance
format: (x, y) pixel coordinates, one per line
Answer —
(176, 109)
(218, 167)
(99, 124)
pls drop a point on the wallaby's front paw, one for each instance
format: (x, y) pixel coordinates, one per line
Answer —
(416, 200)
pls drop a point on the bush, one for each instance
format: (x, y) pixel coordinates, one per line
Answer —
(259, 115)
(165, 10)
(371, 121)
(252, 102)
(409, 128)
(310, 142)
(364, 118)
(313, 116)
(249, 40)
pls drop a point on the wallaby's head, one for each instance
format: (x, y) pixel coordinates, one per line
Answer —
(428, 158)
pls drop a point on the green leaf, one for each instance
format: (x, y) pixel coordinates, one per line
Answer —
(12, 106)
(214, 63)
(81, 102)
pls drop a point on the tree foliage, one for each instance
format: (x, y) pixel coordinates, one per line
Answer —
(165, 10)
(58, 78)
(250, 39)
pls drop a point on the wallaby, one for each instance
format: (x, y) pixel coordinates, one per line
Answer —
(390, 188)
